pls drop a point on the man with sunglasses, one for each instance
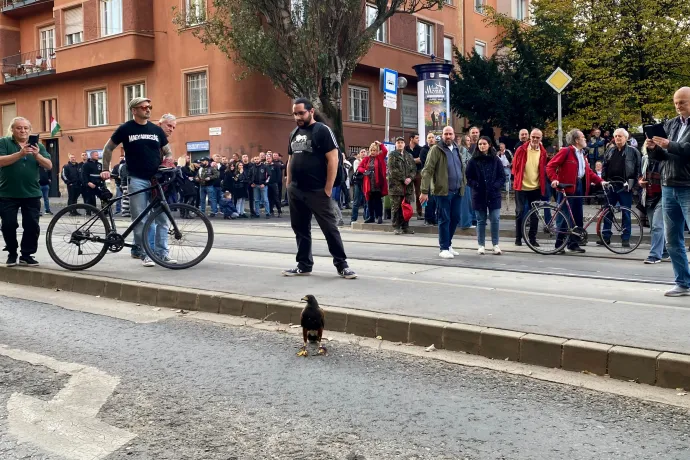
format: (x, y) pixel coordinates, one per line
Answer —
(146, 145)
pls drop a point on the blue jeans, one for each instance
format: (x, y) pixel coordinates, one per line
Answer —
(430, 210)
(656, 225)
(239, 204)
(576, 207)
(494, 217)
(45, 190)
(621, 198)
(118, 194)
(676, 210)
(261, 196)
(358, 201)
(219, 193)
(137, 204)
(467, 215)
(210, 192)
(448, 211)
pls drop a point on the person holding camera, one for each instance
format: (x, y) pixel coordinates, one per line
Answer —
(21, 158)
(91, 177)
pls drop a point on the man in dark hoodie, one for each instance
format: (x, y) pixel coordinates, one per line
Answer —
(91, 178)
(259, 184)
(71, 176)
(275, 172)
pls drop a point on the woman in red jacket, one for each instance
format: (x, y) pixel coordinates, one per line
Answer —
(570, 166)
(375, 184)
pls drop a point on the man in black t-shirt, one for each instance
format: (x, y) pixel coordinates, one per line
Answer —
(311, 171)
(145, 146)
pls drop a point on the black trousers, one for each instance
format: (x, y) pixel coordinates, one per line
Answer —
(304, 205)
(90, 196)
(250, 194)
(375, 205)
(31, 209)
(523, 198)
(274, 198)
(73, 192)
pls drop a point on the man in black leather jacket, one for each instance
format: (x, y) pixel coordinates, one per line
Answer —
(674, 154)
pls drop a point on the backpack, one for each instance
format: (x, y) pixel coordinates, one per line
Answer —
(341, 174)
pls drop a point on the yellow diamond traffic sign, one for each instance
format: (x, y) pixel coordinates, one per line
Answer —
(559, 80)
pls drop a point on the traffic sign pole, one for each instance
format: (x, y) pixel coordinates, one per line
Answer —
(560, 123)
(558, 81)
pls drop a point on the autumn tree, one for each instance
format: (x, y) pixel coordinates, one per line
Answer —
(308, 48)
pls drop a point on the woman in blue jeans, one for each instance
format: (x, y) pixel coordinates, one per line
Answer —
(485, 177)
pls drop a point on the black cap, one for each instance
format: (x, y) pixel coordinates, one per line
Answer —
(399, 138)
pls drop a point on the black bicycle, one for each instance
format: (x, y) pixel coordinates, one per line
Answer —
(80, 235)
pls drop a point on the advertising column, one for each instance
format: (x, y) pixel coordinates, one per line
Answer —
(433, 98)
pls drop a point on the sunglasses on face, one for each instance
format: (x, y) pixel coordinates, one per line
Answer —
(145, 107)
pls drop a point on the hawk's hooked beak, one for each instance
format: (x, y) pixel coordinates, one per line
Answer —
(305, 299)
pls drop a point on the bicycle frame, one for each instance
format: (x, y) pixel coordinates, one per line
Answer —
(564, 202)
(159, 200)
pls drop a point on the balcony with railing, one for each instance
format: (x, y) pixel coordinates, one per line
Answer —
(19, 8)
(29, 65)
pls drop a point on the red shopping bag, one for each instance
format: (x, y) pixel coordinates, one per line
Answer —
(406, 206)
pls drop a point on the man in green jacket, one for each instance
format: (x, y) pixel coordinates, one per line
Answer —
(444, 172)
(20, 163)
(402, 170)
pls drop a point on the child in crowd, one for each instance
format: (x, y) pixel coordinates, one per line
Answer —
(227, 207)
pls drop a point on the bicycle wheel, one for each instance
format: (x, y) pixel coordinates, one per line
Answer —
(546, 240)
(77, 242)
(620, 240)
(187, 248)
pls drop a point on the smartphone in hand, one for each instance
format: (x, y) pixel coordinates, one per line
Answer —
(33, 140)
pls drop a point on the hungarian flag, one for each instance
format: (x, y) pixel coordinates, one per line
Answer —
(54, 126)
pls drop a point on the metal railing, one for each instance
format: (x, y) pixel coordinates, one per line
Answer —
(25, 65)
(19, 3)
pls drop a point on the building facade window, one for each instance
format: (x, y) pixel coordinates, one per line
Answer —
(74, 25)
(48, 111)
(480, 48)
(479, 6)
(372, 12)
(111, 17)
(130, 92)
(425, 38)
(197, 93)
(521, 10)
(448, 49)
(9, 111)
(359, 104)
(409, 111)
(196, 11)
(98, 110)
(47, 40)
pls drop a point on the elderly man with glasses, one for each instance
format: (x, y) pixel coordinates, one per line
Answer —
(529, 169)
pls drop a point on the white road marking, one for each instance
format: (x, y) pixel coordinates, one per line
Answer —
(67, 424)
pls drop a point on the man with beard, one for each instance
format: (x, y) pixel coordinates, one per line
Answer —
(311, 172)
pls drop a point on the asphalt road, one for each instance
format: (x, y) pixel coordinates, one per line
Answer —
(593, 297)
(191, 389)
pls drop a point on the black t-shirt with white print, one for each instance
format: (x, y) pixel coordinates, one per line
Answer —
(307, 150)
(142, 144)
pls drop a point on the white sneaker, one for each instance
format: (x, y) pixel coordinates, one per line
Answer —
(147, 262)
(481, 251)
(453, 251)
(497, 251)
(446, 255)
(169, 260)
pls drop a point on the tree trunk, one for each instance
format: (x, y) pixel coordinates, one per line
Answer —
(332, 108)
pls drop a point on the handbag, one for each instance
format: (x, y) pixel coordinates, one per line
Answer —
(406, 207)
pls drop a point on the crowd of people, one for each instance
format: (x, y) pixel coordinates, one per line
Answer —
(452, 181)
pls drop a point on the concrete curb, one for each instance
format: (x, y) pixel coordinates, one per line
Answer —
(653, 367)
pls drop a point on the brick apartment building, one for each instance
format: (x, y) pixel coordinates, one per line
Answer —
(80, 61)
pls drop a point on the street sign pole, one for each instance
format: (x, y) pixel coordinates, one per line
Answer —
(388, 124)
(558, 81)
(560, 123)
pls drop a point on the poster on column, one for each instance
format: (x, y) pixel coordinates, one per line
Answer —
(435, 106)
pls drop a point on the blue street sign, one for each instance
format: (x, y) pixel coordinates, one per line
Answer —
(390, 81)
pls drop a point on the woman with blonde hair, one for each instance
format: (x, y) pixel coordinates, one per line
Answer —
(374, 185)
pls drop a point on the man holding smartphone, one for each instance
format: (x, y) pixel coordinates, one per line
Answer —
(21, 157)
